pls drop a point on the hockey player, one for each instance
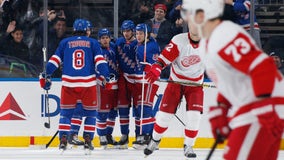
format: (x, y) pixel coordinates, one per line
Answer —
(147, 51)
(80, 57)
(127, 62)
(184, 55)
(107, 111)
(251, 97)
(76, 120)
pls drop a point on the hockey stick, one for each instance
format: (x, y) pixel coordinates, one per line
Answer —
(188, 83)
(51, 140)
(46, 98)
(143, 82)
(218, 139)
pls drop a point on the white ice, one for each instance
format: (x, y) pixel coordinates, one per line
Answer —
(99, 154)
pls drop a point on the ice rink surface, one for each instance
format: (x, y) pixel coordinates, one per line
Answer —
(100, 154)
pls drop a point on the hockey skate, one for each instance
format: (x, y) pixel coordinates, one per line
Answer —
(151, 147)
(88, 146)
(123, 142)
(63, 144)
(103, 142)
(141, 142)
(111, 141)
(74, 140)
(188, 152)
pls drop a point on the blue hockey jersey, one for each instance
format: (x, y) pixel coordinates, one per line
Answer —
(242, 10)
(126, 58)
(110, 54)
(79, 57)
(152, 53)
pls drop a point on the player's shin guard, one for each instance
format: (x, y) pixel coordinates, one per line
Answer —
(124, 120)
(161, 125)
(111, 121)
(102, 123)
(65, 122)
(147, 120)
(76, 119)
(192, 127)
(90, 124)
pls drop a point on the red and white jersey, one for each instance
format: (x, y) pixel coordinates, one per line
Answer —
(241, 71)
(184, 55)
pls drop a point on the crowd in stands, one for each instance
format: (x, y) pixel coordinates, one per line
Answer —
(21, 29)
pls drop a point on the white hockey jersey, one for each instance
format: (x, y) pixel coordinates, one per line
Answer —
(184, 56)
(241, 71)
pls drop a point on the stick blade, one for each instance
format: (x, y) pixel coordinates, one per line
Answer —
(46, 125)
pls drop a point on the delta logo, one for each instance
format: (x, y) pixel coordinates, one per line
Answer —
(10, 110)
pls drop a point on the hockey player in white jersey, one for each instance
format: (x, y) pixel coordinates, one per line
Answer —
(250, 89)
(184, 55)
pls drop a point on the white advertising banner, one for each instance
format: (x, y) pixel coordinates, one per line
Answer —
(23, 111)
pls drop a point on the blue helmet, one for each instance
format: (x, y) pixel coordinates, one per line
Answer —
(104, 32)
(80, 25)
(127, 25)
(143, 27)
(89, 24)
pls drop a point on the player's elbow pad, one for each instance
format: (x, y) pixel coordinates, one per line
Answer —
(263, 78)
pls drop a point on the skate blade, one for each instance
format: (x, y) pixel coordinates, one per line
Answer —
(122, 146)
(88, 152)
(62, 151)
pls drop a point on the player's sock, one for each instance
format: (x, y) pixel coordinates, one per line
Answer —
(111, 121)
(161, 125)
(124, 120)
(76, 119)
(102, 127)
(90, 124)
(192, 126)
(64, 122)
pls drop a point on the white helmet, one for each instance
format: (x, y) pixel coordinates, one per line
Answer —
(212, 8)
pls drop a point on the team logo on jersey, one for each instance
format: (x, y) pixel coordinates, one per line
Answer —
(190, 60)
(10, 110)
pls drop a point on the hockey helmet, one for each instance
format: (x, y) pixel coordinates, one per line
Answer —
(104, 32)
(127, 25)
(143, 27)
(89, 24)
(80, 25)
(211, 8)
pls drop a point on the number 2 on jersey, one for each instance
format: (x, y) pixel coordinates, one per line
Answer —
(238, 48)
(78, 59)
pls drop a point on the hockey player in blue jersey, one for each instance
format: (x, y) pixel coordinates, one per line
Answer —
(76, 120)
(146, 55)
(127, 63)
(107, 97)
(80, 56)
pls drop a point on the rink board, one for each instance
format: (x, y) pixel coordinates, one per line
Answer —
(23, 114)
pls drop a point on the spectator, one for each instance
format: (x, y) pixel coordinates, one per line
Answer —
(276, 55)
(161, 28)
(242, 10)
(175, 17)
(56, 34)
(15, 47)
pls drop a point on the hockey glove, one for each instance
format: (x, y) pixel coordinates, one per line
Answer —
(154, 73)
(147, 66)
(45, 81)
(219, 122)
(107, 82)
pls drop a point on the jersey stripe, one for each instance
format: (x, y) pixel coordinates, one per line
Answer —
(55, 60)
